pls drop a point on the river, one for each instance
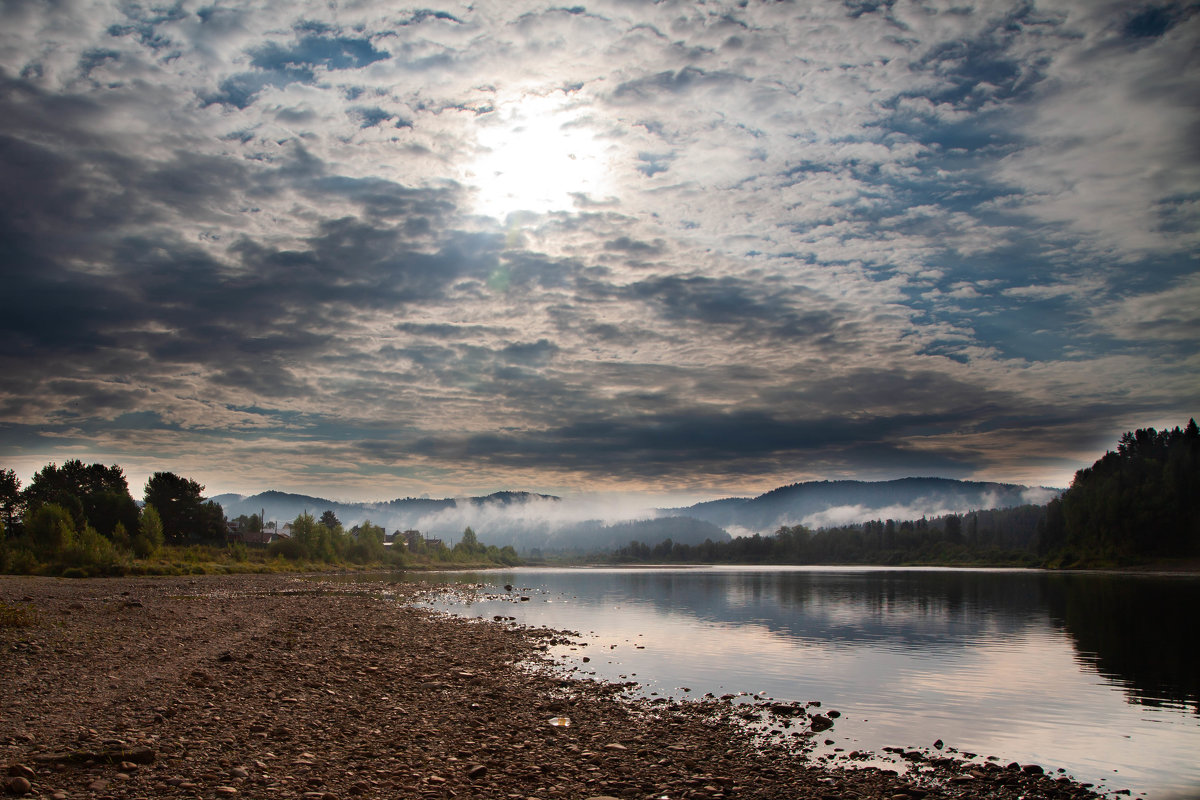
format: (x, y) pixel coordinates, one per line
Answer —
(1094, 674)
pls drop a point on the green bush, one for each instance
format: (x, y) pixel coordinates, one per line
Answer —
(16, 616)
(286, 548)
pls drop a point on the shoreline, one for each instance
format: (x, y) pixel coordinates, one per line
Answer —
(285, 686)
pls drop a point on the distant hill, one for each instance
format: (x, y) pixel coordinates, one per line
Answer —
(821, 503)
(528, 520)
(285, 507)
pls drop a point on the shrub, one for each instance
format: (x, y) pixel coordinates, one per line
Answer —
(286, 548)
(16, 616)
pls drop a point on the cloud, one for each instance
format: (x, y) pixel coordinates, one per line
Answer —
(1171, 315)
(833, 240)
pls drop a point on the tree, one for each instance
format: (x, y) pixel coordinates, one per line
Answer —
(149, 538)
(10, 500)
(249, 524)
(93, 494)
(469, 546)
(51, 529)
(185, 515)
(954, 529)
(1141, 500)
(211, 525)
(368, 547)
(330, 520)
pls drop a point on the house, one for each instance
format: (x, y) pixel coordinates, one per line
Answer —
(236, 532)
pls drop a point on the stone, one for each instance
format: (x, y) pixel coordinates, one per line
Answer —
(1032, 769)
(819, 722)
(19, 785)
(476, 771)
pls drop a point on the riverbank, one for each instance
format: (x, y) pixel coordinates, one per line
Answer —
(272, 686)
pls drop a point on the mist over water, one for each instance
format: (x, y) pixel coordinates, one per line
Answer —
(1082, 672)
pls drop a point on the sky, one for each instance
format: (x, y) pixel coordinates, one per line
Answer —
(367, 250)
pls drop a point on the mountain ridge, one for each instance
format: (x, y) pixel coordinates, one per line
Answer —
(529, 520)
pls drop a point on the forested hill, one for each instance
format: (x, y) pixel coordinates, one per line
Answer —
(1140, 501)
(404, 511)
(862, 500)
(1139, 504)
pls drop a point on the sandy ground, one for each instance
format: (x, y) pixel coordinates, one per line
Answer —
(280, 687)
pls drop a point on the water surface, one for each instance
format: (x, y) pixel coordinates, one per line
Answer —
(1094, 674)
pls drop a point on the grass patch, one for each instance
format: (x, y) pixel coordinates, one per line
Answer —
(16, 616)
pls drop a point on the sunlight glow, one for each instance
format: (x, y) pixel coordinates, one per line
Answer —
(537, 154)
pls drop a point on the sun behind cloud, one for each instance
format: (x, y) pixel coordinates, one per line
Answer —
(537, 153)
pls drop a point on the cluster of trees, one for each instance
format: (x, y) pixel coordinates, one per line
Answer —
(82, 517)
(325, 541)
(998, 536)
(1141, 501)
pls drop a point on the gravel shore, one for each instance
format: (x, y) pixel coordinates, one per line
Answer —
(278, 687)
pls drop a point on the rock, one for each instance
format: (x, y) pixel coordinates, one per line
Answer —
(239, 772)
(939, 744)
(226, 791)
(476, 771)
(1032, 769)
(19, 785)
(819, 722)
(21, 771)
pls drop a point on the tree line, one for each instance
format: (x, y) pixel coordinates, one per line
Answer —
(1140, 502)
(993, 537)
(81, 519)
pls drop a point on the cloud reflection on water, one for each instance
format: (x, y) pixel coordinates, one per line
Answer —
(980, 659)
